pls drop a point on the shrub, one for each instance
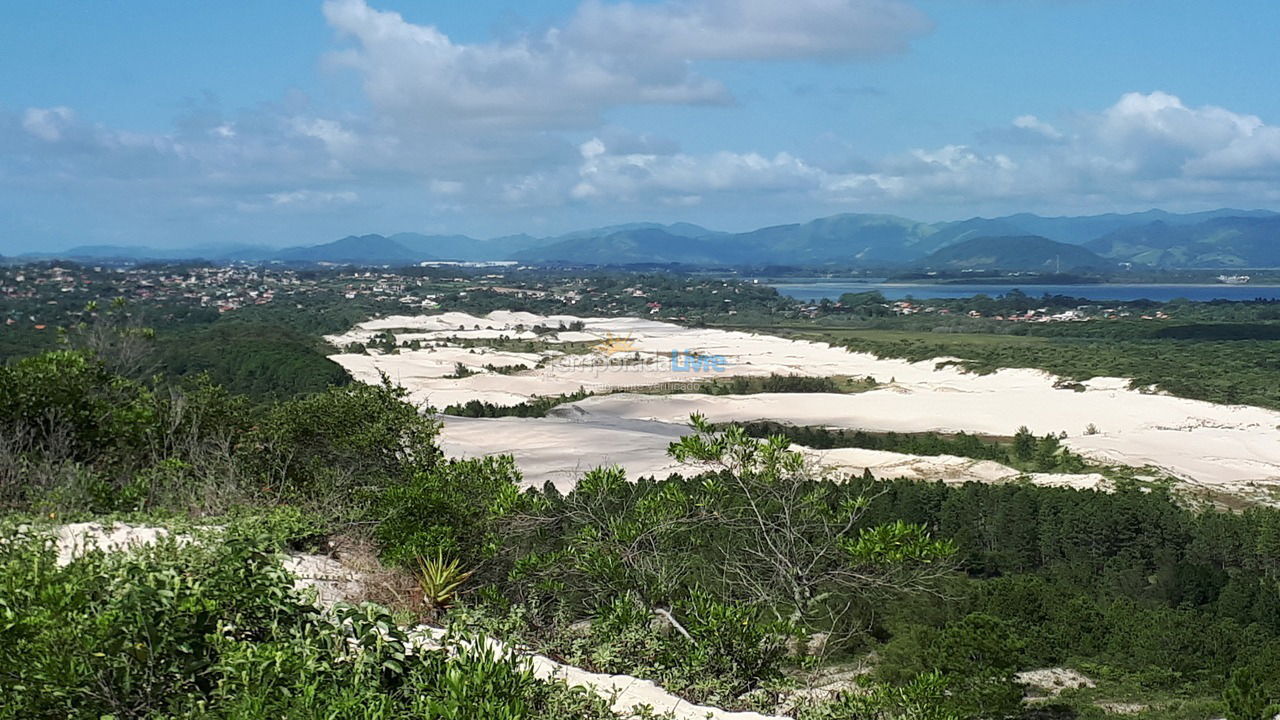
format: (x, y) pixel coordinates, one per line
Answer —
(216, 631)
(339, 447)
(69, 401)
(452, 507)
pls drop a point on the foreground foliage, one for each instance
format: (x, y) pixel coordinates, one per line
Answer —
(718, 586)
(216, 631)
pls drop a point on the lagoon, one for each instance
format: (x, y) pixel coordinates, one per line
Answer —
(832, 290)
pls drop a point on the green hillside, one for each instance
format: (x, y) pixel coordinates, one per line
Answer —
(1027, 252)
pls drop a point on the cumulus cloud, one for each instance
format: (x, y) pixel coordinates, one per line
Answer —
(1160, 135)
(420, 78)
(606, 55)
(1146, 148)
(480, 122)
(47, 124)
(632, 177)
(1037, 126)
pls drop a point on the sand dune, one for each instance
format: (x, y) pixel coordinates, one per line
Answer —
(1227, 449)
(559, 450)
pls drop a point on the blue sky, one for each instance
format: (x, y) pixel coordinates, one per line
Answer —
(171, 124)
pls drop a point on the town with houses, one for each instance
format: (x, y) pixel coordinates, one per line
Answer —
(41, 296)
(1082, 313)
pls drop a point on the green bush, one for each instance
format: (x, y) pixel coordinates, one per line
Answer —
(339, 447)
(216, 631)
(68, 402)
(116, 634)
(452, 507)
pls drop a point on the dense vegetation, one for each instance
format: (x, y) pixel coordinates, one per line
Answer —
(1024, 252)
(1232, 372)
(1023, 450)
(1152, 597)
(1236, 340)
(251, 359)
(738, 385)
(216, 630)
(1218, 351)
(709, 584)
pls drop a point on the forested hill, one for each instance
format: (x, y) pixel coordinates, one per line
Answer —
(1226, 242)
(1030, 252)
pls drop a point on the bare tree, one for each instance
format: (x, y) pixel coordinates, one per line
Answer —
(118, 337)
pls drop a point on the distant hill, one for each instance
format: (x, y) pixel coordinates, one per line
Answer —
(688, 230)
(629, 247)
(848, 238)
(1225, 242)
(949, 233)
(435, 247)
(112, 252)
(1082, 229)
(844, 239)
(139, 253)
(353, 249)
(867, 239)
(1023, 253)
(506, 247)
(1217, 238)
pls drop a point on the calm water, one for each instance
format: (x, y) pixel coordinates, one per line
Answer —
(812, 291)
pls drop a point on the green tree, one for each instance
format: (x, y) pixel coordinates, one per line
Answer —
(340, 447)
(1024, 444)
(69, 399)
(1247, 697)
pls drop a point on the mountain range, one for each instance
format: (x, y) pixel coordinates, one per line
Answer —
(1223, 238)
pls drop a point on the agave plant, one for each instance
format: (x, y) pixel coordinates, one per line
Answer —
(440, 580)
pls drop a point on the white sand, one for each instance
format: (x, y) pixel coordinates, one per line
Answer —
(559, 450)
(75, 539)
(624, 693)
(1227, 449)
(1231, 449)
(1053, 681)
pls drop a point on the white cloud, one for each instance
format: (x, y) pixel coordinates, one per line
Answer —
(1146, 149)
(605, 56)
(336, 138)
(466, 124)
(592, 148)
(1036, 125)
(48, 124)
(313, 197)
(515, 126)
(419, 78)
(680, 178)
(446, 187)
(1159, 135)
